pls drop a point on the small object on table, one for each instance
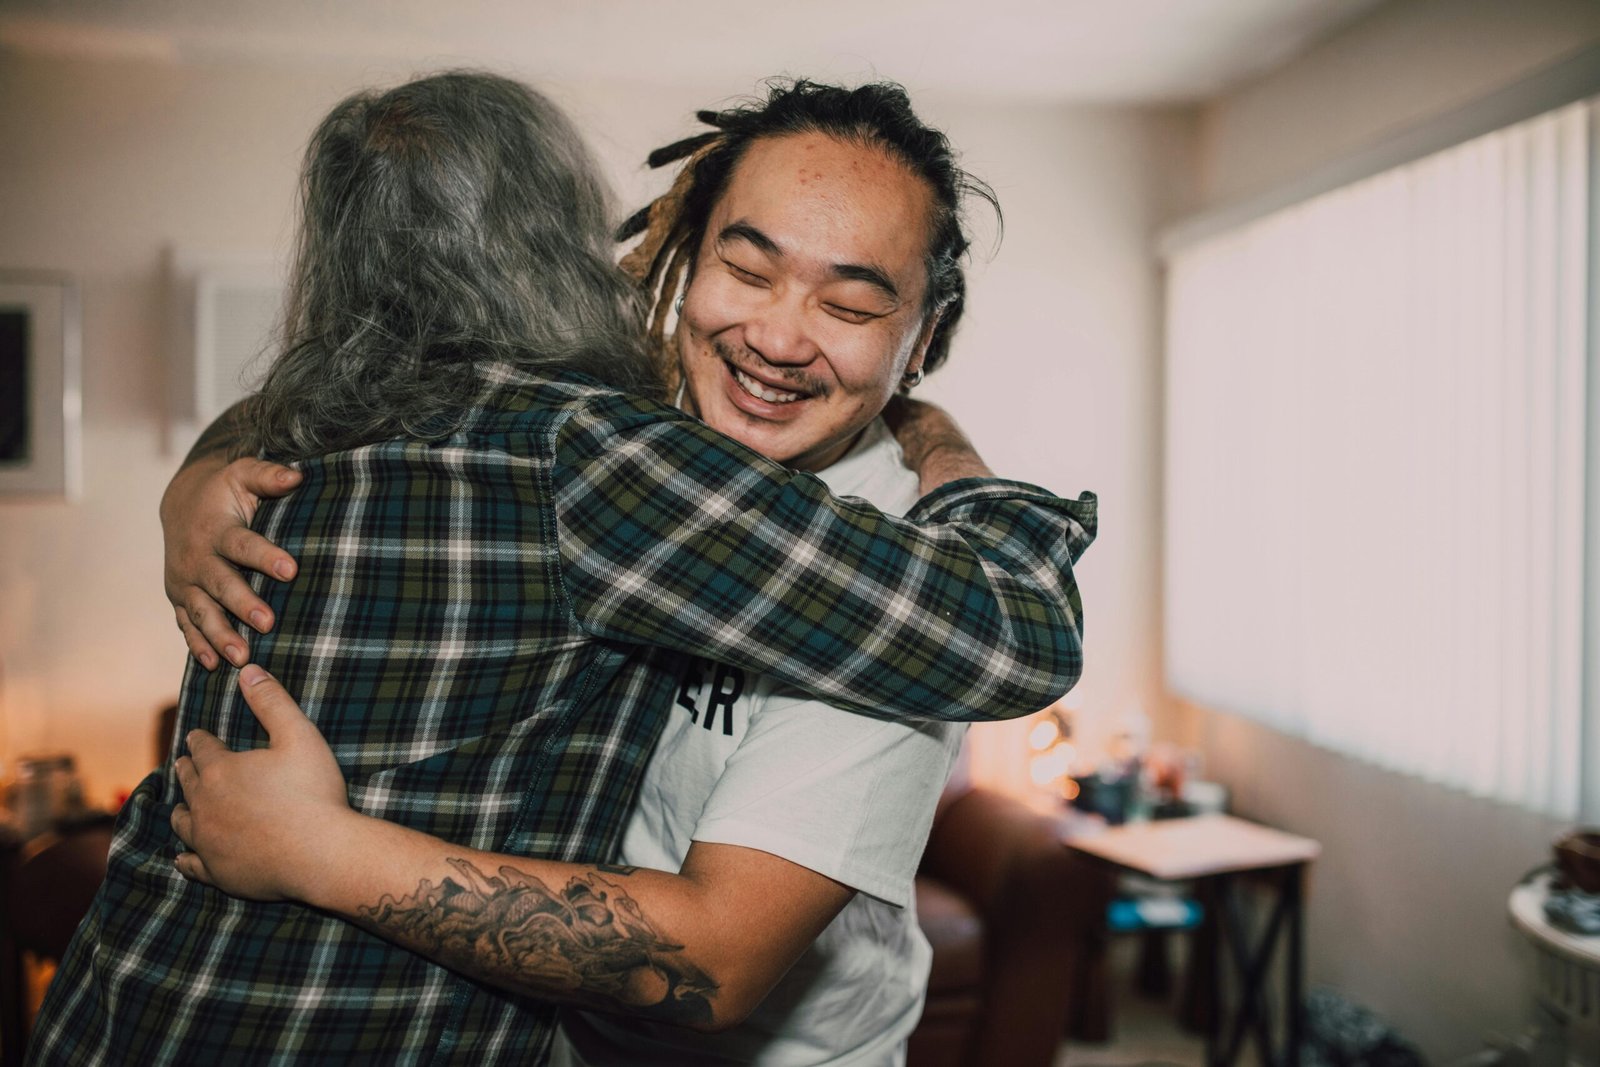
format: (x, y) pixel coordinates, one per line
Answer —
(1213, 850)
(1573, 911)
(46, 792)
(1110, 795)
(1578, 858)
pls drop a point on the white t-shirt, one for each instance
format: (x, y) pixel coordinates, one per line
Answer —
(746, 762)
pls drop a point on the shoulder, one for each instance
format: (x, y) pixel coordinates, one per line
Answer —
(847, 796)
(875, 470)
(515, 399)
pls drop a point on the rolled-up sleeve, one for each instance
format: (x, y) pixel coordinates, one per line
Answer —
(670, 534)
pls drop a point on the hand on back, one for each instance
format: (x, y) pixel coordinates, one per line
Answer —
(205, 525)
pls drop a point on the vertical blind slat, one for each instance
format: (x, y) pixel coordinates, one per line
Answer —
(1375, 466)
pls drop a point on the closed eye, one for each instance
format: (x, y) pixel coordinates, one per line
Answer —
(750, 277)
(850, 314)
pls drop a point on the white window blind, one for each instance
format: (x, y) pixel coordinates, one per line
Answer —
(1375, 465)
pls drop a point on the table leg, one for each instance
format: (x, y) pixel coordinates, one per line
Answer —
(1205, 1007)
(1253, 1015)
(1294, 892)
(1253, 1012)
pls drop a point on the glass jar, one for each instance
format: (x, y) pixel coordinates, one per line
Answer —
(46, 792)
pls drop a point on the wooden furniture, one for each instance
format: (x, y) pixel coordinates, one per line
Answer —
(45, 889)
(1008, 911)
(1216, 852)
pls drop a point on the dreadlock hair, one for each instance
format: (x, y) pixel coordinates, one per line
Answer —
(877, 115)
(450, 222)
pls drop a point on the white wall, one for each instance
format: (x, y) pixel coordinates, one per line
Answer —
(1407, 911)
(108, 162)
(1057, 373)
(1406, 62)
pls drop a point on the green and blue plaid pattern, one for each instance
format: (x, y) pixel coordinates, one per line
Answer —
(467, 630)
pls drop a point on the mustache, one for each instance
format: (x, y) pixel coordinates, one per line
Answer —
(749, 361)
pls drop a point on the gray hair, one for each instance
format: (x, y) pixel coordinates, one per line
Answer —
(450, 222)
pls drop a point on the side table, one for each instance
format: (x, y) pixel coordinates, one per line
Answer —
(1568, 969)
(1214, 851)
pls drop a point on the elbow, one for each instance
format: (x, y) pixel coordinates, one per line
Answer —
(740, 998)
(721, 1021)
(736, 984)
(1039, 656)
(1046, 662)
(1066, 661)
(729, 1007)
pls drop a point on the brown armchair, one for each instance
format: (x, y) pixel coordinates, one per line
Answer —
(1009, 911)
(45, 889)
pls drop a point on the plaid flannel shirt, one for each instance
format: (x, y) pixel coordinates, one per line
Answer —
(467, 631)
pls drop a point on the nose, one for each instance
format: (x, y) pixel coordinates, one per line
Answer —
(778, 333)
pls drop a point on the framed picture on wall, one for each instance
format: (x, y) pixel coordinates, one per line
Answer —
(40, 387)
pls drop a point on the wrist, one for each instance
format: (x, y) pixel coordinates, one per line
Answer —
(324, 866)
(194, 472)
(945, 455)
(942, 466)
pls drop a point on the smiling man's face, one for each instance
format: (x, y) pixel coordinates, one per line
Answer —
(806, 304)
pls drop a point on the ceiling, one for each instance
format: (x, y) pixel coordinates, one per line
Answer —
(1138, 51)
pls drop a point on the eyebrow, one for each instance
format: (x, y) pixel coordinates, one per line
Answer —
(855, 272)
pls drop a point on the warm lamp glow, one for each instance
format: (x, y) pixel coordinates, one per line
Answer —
(1048, 766)
(1043, 734)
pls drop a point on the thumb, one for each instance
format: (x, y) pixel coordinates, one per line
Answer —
(274, 708)
(264, 478)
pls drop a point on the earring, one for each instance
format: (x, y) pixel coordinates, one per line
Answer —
(911, 379)
(677, 306)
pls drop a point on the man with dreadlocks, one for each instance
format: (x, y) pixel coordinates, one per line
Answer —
(817, 243)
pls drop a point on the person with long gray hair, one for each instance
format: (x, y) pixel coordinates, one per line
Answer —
(423, 254)
(482, 565)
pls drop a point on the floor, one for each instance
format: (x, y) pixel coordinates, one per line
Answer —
(1145, 1033)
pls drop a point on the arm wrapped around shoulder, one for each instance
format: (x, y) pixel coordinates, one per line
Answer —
(671, 534)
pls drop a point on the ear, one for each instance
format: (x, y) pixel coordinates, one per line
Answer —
(924, 339)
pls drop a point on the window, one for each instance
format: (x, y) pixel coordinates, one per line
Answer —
(1376, 477)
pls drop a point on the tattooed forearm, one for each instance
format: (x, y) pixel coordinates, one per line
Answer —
(588, 943)
(224, 437)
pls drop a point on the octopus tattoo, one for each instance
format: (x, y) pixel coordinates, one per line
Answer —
(590, 940)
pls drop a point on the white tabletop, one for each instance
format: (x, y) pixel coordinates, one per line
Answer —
(1197, 846)
(1527, 915)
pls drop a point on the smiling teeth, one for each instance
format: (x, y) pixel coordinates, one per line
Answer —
(764, 392)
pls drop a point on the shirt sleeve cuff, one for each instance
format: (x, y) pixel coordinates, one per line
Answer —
(946, 502)
(830, 863)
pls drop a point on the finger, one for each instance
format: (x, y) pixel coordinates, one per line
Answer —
(221, 585)
(273, 706)
(207, 616)
(184, 768)
(263, 477)
(248, 549)
(182, 821)
(192, 867)
(204, 747)
(199, 647)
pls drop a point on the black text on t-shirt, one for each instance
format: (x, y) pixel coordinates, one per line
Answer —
(727, 683)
